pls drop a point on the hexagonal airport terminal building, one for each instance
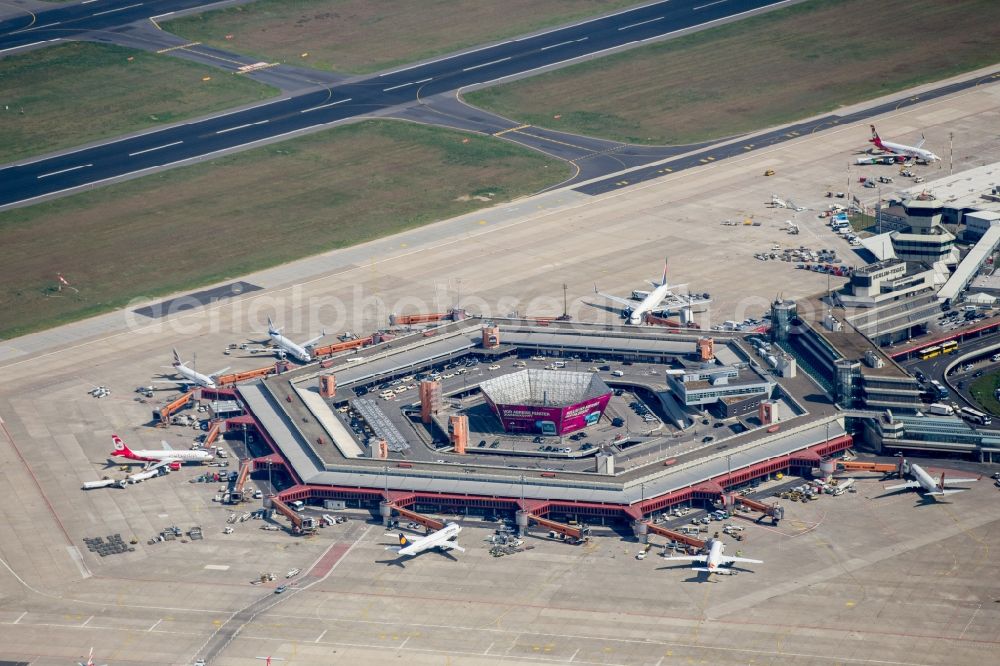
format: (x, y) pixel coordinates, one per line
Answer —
(547, 402)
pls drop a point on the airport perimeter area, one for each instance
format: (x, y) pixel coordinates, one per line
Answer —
(851, 579)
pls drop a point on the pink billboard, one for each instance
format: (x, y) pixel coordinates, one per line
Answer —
(555, 420)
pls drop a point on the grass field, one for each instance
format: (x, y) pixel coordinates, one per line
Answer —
(983, 391)
(759, 72)
(199, 224)
(359, 36)
(71, 94)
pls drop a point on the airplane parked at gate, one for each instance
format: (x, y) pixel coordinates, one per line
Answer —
(190, 376)
(898, 151)
(440, 539)
(659, 300)
(165, 455)
(715, 561)
(925, 484)
(282, 346)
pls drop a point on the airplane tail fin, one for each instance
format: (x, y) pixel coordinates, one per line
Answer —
(120, 447)
(875, 137)
(177, 357)
(403, 541)
(664, 280)
(270, 327)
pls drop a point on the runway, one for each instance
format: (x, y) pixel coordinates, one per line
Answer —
(318, 108)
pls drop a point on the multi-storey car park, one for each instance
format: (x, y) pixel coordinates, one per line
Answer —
(333, 431)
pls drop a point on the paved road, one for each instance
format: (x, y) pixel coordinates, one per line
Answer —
(316, 108)
(70, 21)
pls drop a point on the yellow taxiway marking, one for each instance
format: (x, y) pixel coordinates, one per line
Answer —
(511, 129)
(179, 46)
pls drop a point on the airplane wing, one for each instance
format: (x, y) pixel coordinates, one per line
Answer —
(309, 343)
(950, 491)
(617, 299)
(674, 302)
(394, 549)
(742, 560)
(948, 481)
(166, 447)
(687, 558)
(904, 486)
(920, 144)
(451, 545)
(219, 372)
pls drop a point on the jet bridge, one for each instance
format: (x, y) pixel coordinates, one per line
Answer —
(163, 415)
(300, 524)
(675, 536)
(773, 511)
(884, 468)
(386, 509)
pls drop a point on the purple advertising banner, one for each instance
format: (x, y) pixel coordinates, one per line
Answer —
(565, 419)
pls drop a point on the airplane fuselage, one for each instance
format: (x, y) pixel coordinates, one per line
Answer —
(715, 549)
(924, 479)
(295, 351)
(446, 533)
(638, 314)
(194, 377)
(156, 455)
(906, 151)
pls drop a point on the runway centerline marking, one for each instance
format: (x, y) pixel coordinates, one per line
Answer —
(231, 129)
(118, 9)
(410, 83)
(47, 25)
(717, 2)
(552, 46)
(56, 173)
(487, 64)
(325, 106)
(149, 150)
(636, 25)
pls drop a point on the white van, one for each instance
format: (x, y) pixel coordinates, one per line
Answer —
(617, 373)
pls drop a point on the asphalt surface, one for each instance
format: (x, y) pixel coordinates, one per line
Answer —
(71, 21)
(332, 103)
(774, 137)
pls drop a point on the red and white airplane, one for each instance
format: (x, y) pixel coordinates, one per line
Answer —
(166, 455)
(897, 151)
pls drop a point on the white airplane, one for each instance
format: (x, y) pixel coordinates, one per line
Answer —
(190, 376)
(715, 562)
(440, 539)
(900, 151)
(282, 345)
(660, 299)
(164, 455)
(90, 660)
(924, 483)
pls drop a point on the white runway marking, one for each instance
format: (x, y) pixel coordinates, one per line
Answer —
(486, 64)
(19, 617)
(117, 9)
(149, 150)
(232, 129)
(636, 25)
(717, 2)
(56, 173)
(325, 106)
